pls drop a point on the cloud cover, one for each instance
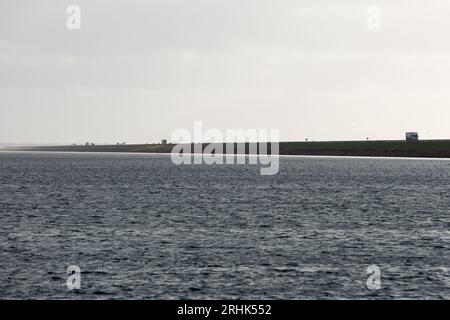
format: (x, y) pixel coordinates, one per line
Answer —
(137, 70)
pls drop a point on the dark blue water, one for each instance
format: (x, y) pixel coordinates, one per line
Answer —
(140, 227)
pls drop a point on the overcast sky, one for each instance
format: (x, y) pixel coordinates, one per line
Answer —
(137, 70)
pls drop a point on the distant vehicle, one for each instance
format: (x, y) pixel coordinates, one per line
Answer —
(412, 136)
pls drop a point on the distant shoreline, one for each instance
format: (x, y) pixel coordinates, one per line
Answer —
(382, 148)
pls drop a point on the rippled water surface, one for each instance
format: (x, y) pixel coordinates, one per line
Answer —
(140, 227)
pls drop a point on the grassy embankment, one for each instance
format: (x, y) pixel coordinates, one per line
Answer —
(394, 148)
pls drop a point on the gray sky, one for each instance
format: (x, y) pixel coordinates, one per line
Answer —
(137, 70)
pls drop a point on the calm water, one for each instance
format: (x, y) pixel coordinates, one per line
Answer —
(140, 227)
